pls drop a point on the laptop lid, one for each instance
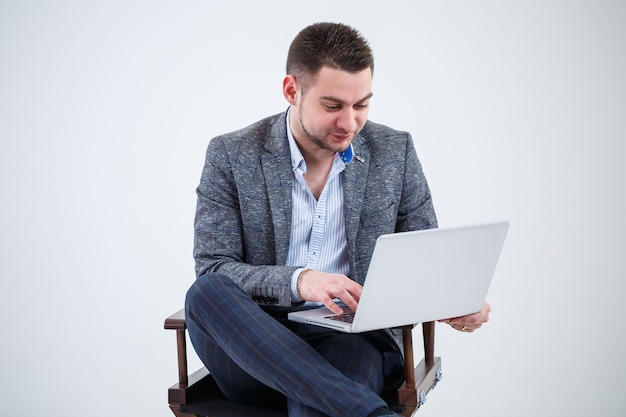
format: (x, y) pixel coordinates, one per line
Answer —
(422, 276)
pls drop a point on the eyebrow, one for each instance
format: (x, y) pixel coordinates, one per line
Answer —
(336, 100)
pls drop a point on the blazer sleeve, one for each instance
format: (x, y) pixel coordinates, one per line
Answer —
(220, 244)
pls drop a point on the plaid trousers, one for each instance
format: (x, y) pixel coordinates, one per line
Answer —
(259, 359)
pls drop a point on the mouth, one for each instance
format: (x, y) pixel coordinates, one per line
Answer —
(340, 136)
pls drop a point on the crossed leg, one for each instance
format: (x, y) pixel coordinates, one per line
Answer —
(254, 356)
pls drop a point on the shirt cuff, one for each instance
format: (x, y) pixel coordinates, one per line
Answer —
(294, 285)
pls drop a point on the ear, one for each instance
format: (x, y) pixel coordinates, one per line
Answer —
(290, 88)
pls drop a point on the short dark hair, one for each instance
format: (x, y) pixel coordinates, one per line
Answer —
(332, 45)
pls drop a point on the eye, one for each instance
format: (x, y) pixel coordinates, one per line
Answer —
(361, 106)
(332, 107)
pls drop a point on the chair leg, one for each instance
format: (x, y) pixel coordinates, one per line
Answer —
(182, 357)
(428, 331)
(409, 370)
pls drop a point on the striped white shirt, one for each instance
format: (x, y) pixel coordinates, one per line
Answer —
(318, 236)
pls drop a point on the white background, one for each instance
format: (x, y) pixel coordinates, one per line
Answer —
(518, 111)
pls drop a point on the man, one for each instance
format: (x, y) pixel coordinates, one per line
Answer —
(288, 213)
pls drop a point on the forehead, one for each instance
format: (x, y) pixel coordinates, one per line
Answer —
(342, 85)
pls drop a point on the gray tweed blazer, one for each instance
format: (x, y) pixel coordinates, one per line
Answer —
(243, 215)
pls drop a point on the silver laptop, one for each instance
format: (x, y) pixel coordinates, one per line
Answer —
(421, 276)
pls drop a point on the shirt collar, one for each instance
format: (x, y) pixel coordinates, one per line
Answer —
(297, 160)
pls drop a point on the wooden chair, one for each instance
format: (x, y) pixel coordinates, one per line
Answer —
(198, 395)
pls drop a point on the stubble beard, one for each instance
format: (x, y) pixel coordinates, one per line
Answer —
(319, 141)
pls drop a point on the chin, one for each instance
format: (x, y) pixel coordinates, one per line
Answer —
(344, 145)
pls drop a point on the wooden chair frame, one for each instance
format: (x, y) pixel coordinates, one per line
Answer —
(200, 386)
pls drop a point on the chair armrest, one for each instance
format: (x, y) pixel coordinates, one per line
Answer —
(177, 322)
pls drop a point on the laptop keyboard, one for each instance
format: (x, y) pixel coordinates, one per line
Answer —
(344, 317)
(347, 316)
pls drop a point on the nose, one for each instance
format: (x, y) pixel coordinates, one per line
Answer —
(349, 120)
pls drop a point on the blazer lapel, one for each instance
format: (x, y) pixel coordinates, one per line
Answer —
(355, 178)
(276, 165)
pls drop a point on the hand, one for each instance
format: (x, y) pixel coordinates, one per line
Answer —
(471, 322)
(324, 287)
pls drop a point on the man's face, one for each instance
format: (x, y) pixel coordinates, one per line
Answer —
(331, 111)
